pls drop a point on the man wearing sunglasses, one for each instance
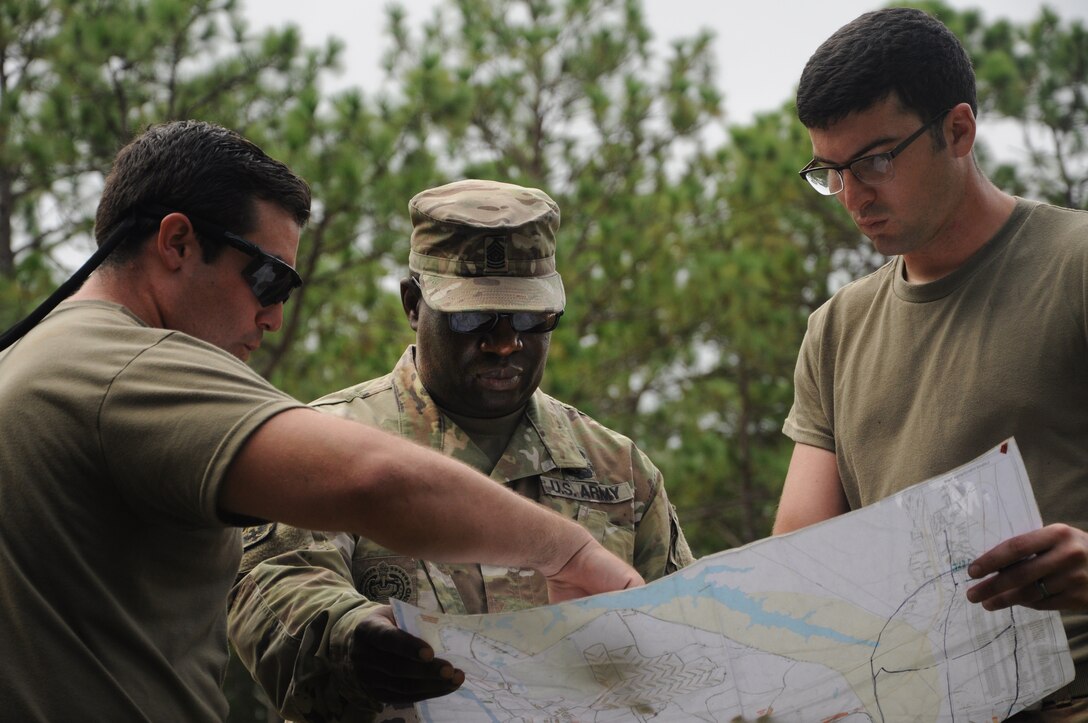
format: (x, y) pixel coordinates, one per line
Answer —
(483, 297)
(976, 330)
(136, 442)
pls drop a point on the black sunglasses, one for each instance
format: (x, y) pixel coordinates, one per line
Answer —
(523, 322)
(271, 279)
(481, 322)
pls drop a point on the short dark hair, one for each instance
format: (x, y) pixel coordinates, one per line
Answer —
(900, 51)
(198, 168)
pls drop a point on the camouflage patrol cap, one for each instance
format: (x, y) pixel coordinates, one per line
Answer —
(486, 246)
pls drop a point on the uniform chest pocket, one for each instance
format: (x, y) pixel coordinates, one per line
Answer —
(606, 510)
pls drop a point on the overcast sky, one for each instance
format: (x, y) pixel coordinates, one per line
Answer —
(761, 45)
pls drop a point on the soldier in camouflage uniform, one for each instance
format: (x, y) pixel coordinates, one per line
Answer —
(482, 296)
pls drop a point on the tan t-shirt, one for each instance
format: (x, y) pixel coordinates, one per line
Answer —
(114, 563)
(903, 382)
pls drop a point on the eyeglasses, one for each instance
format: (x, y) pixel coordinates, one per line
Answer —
(871, 170)
(481, 322)
(271, 279)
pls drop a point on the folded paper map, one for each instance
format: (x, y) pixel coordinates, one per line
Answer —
(862, 617)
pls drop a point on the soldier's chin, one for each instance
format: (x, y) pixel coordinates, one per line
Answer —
(489, 405)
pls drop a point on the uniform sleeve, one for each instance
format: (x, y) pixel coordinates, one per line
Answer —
(290, 618)
(808, 422)
(178, 414)
(660, 545)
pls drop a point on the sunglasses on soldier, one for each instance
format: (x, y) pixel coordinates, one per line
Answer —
(271, 279)
(523, 322)
(482, 322)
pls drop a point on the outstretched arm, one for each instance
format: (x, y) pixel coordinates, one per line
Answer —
(316, 471)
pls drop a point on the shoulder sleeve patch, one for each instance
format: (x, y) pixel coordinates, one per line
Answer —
(255, 535)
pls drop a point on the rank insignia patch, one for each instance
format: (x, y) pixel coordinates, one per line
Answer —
(495, 254)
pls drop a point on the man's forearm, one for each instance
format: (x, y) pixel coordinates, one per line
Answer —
(320, 472)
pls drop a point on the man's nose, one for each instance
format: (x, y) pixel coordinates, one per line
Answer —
(854, 194)
(502, 340)
(270, 318)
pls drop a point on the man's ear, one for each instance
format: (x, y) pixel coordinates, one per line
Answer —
(175, 241)
(410, 299)
(962, 128)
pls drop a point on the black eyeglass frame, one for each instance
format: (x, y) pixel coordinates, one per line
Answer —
(495, 316)
(276, 290)
(807, 171)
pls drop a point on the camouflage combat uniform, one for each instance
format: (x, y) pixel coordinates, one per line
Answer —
(292, 611)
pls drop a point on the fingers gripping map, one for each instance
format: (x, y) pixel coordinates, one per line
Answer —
(859, 618)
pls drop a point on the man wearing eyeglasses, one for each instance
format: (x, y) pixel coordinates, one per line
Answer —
(483, 297)
(136, 442)
(976, 330)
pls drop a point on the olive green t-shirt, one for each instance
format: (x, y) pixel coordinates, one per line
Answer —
(114, 561)
(907, 381)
